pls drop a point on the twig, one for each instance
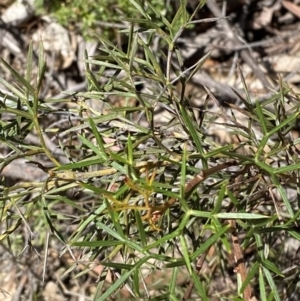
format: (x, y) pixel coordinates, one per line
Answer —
(237, 250)
(156, 212)
(199, 265)
(245, 54)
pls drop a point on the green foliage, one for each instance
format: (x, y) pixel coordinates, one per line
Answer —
(91, 15)
(145, 204)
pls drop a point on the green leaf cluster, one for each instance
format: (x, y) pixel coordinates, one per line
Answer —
(145, 195)
(88, 16)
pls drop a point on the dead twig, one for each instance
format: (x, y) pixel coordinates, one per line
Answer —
(237, 250)
(199, 265)
(245, 54)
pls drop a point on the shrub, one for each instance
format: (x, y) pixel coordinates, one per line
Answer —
(148, 194)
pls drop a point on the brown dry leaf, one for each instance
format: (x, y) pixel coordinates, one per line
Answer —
(18, 12)
(264, 18)
(52, 292)
(293, 8)
(8, 285)
(57, 42)
(286, 63)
